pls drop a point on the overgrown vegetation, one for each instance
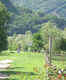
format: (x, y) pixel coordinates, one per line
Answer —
(4, 16)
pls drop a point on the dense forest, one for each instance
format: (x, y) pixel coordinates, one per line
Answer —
(30, 14)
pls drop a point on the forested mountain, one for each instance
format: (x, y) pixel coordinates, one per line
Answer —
(30, 14)
(57, 7)
(48, 6)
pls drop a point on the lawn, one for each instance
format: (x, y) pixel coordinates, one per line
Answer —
(25, 66)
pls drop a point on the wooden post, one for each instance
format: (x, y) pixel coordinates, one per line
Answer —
(50, 47)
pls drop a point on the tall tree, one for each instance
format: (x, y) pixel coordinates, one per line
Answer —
(4, 17)
(49, 30)
(52, 33)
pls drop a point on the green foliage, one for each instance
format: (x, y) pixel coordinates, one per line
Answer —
(31, 20)
(59, 43)
(57, 7)
(49, 30)
(37, 42)
(12, 44)
(56, 44)
(29, 15)
(25, 40)
(63, 44)
(4, 17)
(27, 20)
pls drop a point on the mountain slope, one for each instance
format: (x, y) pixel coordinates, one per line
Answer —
(30, 14)
(10, 6)
(57, 7)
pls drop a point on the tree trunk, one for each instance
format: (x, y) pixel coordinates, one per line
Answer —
(50, 47)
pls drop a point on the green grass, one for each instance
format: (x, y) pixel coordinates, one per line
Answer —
(23, 65)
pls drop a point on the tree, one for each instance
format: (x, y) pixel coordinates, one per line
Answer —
(4, 16)
(63, 44)
(37, 42)
(28, 40)
(52, 33)
(12, 42)
(63, 41)
(49, 30)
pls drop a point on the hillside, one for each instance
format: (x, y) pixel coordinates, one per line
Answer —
(30, 14)
(57, 7)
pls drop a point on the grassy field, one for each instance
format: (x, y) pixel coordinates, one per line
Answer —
(26, 66)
